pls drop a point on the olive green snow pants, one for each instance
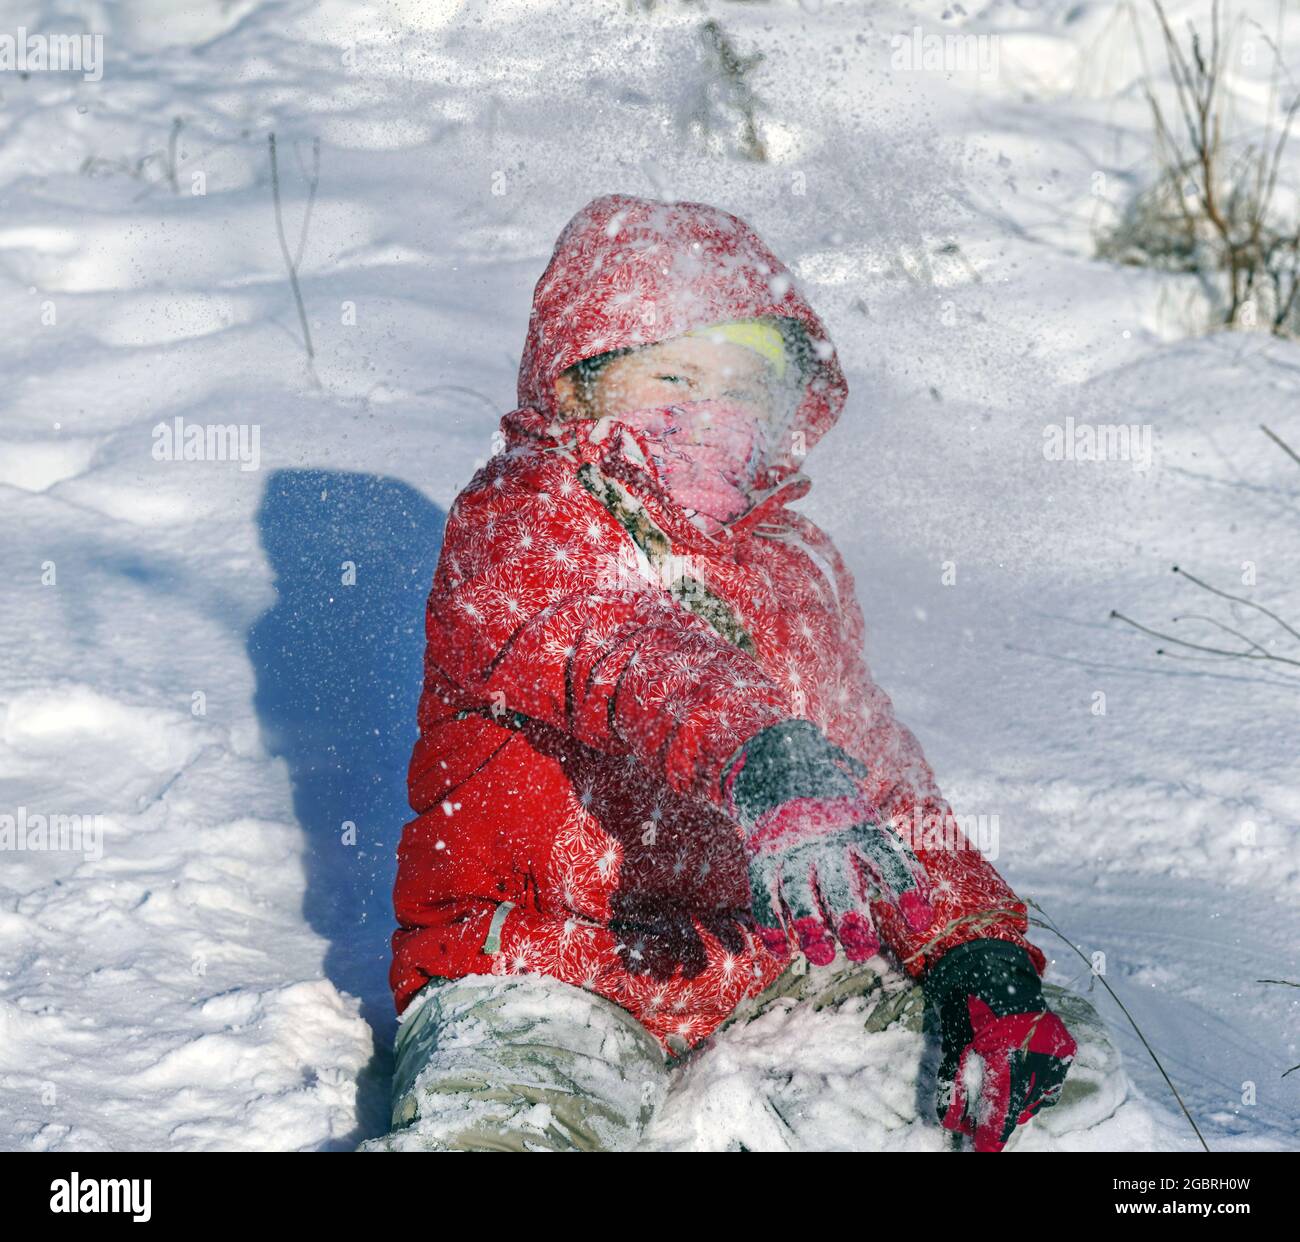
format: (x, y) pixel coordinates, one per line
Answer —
(528, 1063)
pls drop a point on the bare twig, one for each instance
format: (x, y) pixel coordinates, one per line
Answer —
(1047, 922)
(172, 140)
(1169, 638)
(1227, 629)
(313, 180)
(1208, 213)
(284, 249)
(1238, 599)
(735, 71)
(1282, 444)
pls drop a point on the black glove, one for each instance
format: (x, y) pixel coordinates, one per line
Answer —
(1005, 1054)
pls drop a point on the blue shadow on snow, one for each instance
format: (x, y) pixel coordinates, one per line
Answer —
(339, 670)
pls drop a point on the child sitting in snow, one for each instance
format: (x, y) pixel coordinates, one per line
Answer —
(654, 775)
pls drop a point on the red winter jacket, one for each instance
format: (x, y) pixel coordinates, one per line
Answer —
(578, 704)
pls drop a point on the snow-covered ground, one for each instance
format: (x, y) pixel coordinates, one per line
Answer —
(181, 656)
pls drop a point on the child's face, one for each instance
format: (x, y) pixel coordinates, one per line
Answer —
(685, 369)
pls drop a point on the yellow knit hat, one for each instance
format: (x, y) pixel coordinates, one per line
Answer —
(755, 334)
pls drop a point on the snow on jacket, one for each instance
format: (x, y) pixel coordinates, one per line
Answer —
(594, 659)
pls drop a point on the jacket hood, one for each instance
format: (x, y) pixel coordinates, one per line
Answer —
(630, 271)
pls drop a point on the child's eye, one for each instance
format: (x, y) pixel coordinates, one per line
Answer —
(671, 379)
